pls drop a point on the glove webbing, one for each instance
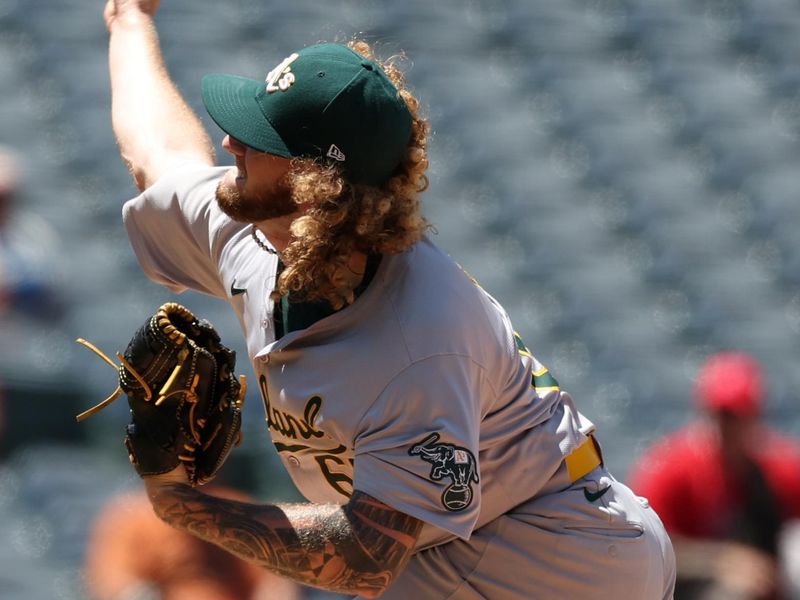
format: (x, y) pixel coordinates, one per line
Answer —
(124, 368)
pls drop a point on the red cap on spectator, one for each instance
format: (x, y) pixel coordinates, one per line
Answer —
(730, 381)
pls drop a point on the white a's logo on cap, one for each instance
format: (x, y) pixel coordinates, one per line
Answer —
(335, 153)
(281, 77)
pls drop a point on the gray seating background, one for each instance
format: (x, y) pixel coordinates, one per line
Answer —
(621, 174)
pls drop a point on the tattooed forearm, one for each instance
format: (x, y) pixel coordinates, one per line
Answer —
(356, 548)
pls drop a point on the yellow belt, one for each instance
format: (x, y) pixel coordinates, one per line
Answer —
(584, 459)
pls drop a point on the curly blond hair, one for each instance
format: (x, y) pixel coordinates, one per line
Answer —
(341, 218)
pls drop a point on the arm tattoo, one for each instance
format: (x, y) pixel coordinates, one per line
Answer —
(356, 548)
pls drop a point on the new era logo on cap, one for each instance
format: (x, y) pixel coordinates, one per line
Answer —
(335, 153)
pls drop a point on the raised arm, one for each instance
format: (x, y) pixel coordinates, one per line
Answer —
(358, 548)
(153, 124)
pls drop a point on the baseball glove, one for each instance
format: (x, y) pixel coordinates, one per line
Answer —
(184, 398)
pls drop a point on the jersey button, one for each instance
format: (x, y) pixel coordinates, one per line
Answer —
(293, 461)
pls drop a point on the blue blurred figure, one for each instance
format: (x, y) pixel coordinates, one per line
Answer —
(27, 243)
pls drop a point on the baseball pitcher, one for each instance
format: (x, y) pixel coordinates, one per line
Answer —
(438, 457)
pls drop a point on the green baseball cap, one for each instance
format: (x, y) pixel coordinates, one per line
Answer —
(325, 101)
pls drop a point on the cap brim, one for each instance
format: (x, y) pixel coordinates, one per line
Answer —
(231, 102)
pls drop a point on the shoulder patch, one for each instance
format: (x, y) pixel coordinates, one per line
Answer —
(451, 461)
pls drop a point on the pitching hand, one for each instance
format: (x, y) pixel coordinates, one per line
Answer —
(118, 8)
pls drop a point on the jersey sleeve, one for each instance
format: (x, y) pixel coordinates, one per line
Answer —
(417, 447)
(178, 232)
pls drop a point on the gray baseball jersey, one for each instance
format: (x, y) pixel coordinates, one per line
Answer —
(420, 394)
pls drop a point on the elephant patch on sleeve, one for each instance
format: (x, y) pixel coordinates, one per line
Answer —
(451, 461)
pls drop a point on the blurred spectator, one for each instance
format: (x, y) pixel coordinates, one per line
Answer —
(27, 246)
(2, 414)
(133, 555)
(724, 485)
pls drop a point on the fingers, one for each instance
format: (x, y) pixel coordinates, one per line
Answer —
(117, 8)
(148, 7)
(109, 12)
